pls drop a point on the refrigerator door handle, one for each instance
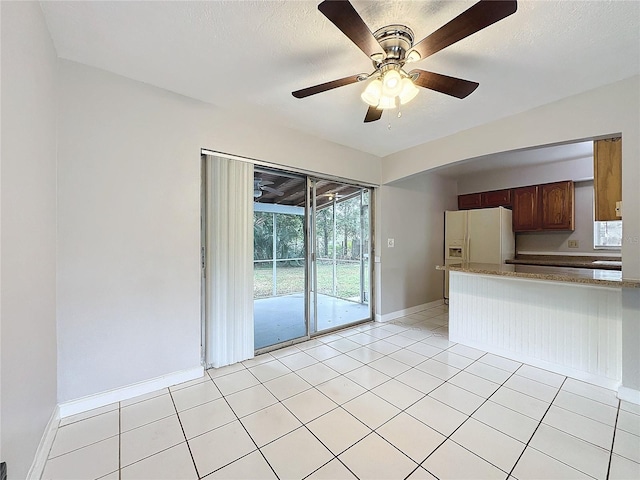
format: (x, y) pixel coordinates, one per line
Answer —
(467, 250)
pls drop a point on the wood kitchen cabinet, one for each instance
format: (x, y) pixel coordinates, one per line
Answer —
(525, 209)
(544, 207)
(607, 178)
(495, 198)
(556, 206)
(469, 201)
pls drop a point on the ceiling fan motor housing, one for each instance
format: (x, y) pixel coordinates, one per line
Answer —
(396, 41)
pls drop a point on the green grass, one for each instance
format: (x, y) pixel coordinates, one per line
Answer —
(291, 280)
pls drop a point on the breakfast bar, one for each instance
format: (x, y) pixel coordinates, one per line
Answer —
(566, 320)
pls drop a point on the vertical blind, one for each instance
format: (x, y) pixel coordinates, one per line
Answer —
(229, 261)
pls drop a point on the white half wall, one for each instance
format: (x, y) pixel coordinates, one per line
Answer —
(129, 221)
(576, 331)
(412, 213)
(28, 241)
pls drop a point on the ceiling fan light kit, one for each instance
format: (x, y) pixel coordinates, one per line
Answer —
(391, 47)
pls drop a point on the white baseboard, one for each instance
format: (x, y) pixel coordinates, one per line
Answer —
(40, 458)
(629, 395)
(575, 254)
(124, 393)
(407, 311)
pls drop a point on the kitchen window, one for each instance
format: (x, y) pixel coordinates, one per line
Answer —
(607, 234)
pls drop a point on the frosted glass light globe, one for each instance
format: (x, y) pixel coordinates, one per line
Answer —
(372, 93)
(391, 83)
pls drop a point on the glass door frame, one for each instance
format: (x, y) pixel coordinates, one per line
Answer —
(305, 236)
(312, 246)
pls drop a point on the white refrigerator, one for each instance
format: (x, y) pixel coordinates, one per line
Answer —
(477, 236)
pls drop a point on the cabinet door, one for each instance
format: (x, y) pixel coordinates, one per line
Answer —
(525, 209)
(557, 206)
(607, 177)
(496, 198)
(468, 201)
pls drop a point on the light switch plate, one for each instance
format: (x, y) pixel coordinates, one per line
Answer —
(391, 242)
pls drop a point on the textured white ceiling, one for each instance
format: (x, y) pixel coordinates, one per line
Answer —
(250, 55)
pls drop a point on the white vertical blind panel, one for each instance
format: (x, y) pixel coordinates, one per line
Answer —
(570, 328)
(229, 269)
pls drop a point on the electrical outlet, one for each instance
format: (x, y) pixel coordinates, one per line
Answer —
(573, 243)
(391, 242)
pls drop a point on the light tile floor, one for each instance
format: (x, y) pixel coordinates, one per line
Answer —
(377, 401)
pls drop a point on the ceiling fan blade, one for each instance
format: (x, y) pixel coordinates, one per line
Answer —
(272, 190)
(372, 115)
(456, 87)
(323, 87)
(479, 16)
(342, 14)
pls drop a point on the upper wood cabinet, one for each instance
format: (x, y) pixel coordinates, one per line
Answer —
(525, 209)
(557, 206)
(607, 177)
(544, 207)
(496, 198)
(469, 201)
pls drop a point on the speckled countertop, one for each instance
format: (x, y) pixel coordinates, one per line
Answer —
(575, 261)
(607, 278)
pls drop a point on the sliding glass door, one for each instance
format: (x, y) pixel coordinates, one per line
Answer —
(311, 256)
(279, 258)
(340, 269)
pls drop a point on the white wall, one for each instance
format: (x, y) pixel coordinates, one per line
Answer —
(129, 221)
(576, 169)
(412, 213)
(605, 111)
(28, 259)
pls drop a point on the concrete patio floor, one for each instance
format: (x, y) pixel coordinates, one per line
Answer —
(278, 319)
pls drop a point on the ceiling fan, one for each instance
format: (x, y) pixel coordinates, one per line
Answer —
(260, 186)
(332, 195)
(391, 47)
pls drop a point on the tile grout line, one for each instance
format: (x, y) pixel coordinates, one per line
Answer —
(536, 429)
(372, 431)
(245, 428)
(613, 440)
(448, 437)
(304, 424)
(367, 390)
(193, 460)
(119, 440)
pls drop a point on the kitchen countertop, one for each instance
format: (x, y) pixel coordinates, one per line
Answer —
(586, 261)
(607, 278)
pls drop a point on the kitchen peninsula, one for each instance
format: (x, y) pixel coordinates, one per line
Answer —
(566, 320)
